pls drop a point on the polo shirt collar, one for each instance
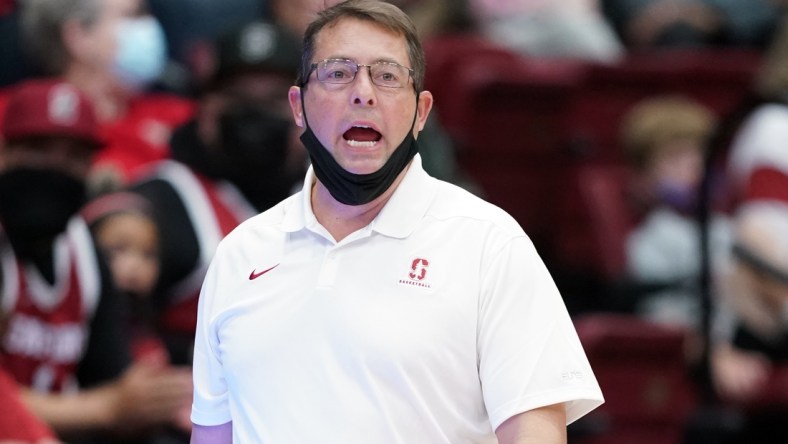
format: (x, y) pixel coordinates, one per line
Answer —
(408, 204)
(399, 217)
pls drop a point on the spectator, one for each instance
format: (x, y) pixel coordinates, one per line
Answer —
(63, 341)
(112, 50)
(124, 227)
(125, 231)
(239, 155)
(666, 138)
(749, 333)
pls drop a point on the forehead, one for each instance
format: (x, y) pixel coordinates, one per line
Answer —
(361, 40)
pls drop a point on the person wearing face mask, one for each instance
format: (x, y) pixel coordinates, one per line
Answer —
(379, 304)
(61, 338)
(665, 138)
(238, 156)
(113, 51)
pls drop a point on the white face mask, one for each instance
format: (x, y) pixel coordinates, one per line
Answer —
(141, 51)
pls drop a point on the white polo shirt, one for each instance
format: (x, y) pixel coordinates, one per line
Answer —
(435, 323)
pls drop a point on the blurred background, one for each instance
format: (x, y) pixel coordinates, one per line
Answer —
(641, 144)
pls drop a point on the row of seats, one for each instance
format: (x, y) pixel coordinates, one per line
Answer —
(539, 136)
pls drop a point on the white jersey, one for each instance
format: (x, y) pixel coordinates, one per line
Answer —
(435, 323)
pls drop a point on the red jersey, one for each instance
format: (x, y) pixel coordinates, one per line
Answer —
(142, 136)
(47, 331)
(16, 421)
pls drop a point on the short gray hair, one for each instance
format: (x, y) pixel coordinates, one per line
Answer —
(42, 27)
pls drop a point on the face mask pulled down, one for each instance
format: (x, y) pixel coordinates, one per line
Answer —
(36, 205)
(350, 188)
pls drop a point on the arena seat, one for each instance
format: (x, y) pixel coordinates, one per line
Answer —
(641, 369)
(719, 79)
(594, 218)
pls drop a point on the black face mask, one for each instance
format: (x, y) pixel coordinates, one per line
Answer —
(253, 139)
(357, 189)
(36, 204)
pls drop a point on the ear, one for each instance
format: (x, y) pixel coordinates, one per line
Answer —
(423, 108)
(294, 97)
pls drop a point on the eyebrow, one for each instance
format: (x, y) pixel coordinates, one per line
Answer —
(380, 59)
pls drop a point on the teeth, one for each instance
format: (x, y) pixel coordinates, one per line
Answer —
(359, 144)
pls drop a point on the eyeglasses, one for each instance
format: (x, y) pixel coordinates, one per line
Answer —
(342, 71)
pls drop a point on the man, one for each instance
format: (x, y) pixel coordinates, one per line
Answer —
(238, 156)
(62, 338)
(380, 304)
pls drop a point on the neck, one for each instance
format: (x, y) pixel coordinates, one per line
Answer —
(341, 220)
(109, 100)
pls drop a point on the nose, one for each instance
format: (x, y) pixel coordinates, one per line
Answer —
(363, 92)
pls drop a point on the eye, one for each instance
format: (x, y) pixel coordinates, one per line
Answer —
(337, 74)
(336, 71)
(386, 74)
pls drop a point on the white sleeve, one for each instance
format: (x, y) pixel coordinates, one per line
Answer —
(529, 352)
(761, 142)
(210, 405)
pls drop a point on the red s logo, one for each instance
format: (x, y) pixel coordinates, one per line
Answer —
(419, 269)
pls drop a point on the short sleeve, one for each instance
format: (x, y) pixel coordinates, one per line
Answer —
(210, 405)
(529, 353)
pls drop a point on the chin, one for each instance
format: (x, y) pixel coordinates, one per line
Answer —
(363, 166)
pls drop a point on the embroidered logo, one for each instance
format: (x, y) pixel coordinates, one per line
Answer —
(254, 275)
(417, 273)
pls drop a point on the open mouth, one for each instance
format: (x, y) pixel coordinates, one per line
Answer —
(360, 136)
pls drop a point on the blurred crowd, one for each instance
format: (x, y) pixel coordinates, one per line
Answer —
(135, 134)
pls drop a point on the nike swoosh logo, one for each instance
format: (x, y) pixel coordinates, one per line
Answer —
(254, 275)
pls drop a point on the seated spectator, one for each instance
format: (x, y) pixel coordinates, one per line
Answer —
(750, 327)
(64, 341)
(125, 231)
(574, 29)
(665, 138)
(124, 228)
(113, 51)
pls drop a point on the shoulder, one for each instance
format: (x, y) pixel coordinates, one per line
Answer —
(261, 228)
(455, 204)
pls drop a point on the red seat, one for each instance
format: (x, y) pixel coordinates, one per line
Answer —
(594, 218)
(641, 369)
(719, 79)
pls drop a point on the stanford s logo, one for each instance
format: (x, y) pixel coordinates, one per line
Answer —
(418, 269)
(417, 275)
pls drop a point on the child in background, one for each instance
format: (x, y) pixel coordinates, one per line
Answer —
(122, 224)
(665, 138)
